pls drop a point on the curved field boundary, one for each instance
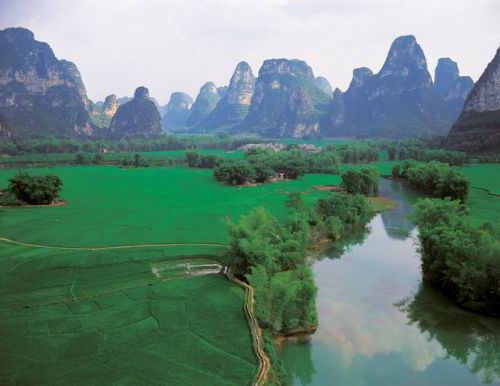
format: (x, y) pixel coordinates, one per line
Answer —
(258, 341)
(10, 241)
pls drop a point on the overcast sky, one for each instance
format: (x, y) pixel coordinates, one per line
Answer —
(177, 45)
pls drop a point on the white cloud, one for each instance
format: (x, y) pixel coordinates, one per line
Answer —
(179, 44)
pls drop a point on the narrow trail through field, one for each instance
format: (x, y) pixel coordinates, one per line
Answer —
(264, 361)
(10, 241)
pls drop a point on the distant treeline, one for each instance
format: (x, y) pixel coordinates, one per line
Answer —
(262, 165)
(167, 142)
(432, 149)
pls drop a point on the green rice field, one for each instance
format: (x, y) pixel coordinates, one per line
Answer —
(85, 318)
(74, 311)
(108, 205)
(131, 315)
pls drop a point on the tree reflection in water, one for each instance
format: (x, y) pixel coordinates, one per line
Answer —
(472, 339)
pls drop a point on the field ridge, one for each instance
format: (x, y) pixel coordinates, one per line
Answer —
(264, 361)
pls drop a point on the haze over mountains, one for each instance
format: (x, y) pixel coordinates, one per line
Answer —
(42, 96)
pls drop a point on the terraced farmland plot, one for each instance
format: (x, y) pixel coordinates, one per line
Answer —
(140, 313)
(83, 317)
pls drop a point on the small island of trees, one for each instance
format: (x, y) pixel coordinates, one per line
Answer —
(27, 189)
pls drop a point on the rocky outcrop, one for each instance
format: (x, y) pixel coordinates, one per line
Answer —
(39, 94)
(76, 77)
(205, 102)
(286, 101)
(452, 88)
(222, 91)
(398, 101)
(232, 109)
(103, 113)
(176, 111)
(124, 100)
(478, 127)
(4, 130)
(337, 114)
(138, 118)
(324, 85)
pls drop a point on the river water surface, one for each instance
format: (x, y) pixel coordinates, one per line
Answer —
(379, 325)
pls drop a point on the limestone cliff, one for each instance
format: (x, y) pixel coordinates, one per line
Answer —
(39, 95)
(324, 85)
(478, 127)
(176, 111)
(232, 109)
(398, 101)
(286, 101)
(452, 88)
(205, 102)
(138, 118)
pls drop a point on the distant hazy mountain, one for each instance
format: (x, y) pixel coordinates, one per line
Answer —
(138, 118)
(286, 101)
(452, 88)
(478, 127)
(176, 111)
(43, 96)
(103, 112)
(400, 100)
(232, 109)
(205, 102)
(39, 94)
(324, 85)
(222, 91)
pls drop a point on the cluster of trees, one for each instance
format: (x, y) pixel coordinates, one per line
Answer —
(234, 172)
(82, 158)
(262, 165)
(167, 142)
(434, 178)
(196, 160)
(362, 181)
(136, 161)
(421, 151)
(294, 163)
(356, 152)
(458, 258)
(272, 258)
(340, 213)
(25, 188)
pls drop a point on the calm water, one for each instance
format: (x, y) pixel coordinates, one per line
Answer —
(378, 325)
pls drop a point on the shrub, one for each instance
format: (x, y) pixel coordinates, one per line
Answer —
(363, 181)
(234, 172)
(35, 190)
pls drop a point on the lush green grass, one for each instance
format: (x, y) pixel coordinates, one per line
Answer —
(484, 192)
(112, 206)
(104, 317)
(484, 176)
(78, 317)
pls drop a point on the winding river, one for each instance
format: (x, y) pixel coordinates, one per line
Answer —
(379, 325)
